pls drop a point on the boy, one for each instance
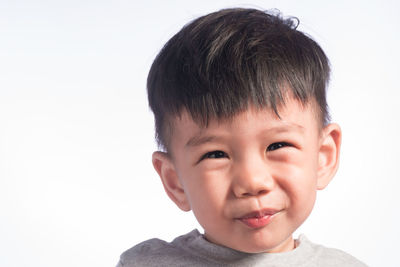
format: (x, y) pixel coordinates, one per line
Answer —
(241, 116)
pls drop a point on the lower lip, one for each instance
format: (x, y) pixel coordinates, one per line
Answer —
(255, 222)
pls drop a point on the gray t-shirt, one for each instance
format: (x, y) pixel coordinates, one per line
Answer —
(193, 250)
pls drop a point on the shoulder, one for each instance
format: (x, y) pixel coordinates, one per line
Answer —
(154, 252)
(147, 253)
(325, 256)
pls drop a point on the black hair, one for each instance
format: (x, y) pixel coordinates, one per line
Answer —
(219, 64)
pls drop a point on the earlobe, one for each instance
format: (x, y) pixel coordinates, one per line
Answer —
(166, 170)
(329, 151)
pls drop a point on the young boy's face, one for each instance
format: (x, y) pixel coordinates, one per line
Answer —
(250, 181)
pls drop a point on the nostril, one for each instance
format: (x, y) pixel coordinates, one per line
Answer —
(262, 192)
(249, 194)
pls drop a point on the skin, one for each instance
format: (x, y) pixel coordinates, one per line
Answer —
(254, 162)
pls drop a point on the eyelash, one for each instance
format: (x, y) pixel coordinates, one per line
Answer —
(217, 154)
(277, 145)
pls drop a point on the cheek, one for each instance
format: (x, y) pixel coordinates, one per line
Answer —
(299, 183)
(207, 191)
(208, 197)
(299, 188)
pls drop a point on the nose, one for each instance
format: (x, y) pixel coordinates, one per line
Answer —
(252, 177)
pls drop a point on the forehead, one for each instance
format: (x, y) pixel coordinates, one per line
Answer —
(291, 117)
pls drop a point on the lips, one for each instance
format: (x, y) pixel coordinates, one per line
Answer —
(258, 219)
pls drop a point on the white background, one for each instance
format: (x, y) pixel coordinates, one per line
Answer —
(77, 186)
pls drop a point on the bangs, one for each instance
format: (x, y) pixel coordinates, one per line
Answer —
(220, 64)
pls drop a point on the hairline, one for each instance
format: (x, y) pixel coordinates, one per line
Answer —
(172, 119)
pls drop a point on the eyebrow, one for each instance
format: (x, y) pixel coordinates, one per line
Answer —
(201, 138)
(288, 127)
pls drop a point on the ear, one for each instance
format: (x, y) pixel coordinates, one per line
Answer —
(329, 150)
(166, 170)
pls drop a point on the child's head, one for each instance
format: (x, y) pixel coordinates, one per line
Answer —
(240, 108)
(220, 64)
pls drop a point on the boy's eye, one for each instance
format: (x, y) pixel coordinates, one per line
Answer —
(214, 155)
(277, 145)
